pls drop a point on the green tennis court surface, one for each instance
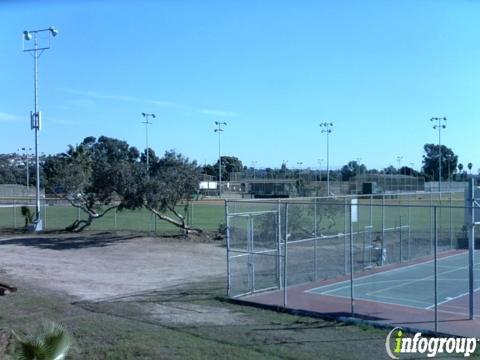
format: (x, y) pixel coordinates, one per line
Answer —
(412, 285)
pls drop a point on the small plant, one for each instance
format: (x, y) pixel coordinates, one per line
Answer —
(27, 214)
(222, 229)
(51, 342)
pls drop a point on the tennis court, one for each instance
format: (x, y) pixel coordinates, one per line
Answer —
(400, 295)
(411, 285)
(401, 264)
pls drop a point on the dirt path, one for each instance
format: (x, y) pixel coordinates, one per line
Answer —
(95, 266)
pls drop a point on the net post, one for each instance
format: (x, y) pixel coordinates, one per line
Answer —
(435, 275)
(114, 216)
(352, 304)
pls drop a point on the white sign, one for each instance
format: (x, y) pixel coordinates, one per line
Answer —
(354, 210)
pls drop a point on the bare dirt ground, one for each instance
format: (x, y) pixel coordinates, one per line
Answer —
(102, 265)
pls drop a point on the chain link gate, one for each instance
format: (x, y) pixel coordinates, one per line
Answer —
(254, 252)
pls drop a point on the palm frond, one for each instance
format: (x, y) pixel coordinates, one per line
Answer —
(52, 342)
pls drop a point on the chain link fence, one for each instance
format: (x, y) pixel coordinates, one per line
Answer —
(57, 214)
(276, 247)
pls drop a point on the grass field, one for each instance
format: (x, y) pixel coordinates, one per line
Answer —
(124, 296)
(118, 330)
(205, 215)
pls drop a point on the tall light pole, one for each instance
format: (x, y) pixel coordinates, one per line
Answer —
(299, 163)
(440, 123)
(147, 122)
(327, 129)
(284, 164)
(35, 116)
(399, 160)
(26, 152)
(219, 131)
(254, 162)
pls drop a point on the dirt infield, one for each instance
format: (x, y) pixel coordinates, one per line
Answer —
(101, 265)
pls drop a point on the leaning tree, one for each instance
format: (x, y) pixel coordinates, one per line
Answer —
(92, 176)
(166, 189)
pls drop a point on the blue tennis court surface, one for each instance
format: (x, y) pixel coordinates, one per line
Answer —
(411, 285)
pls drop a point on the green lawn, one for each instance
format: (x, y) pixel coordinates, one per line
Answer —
(207, 216)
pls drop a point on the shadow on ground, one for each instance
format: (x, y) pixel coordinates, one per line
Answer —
(72, 242)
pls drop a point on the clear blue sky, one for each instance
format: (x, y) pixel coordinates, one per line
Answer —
(273, 70)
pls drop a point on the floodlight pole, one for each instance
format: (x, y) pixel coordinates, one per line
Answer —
(440, 124)
(254, 163)
(327, 130)
(219, 130)
(147, 122)
(35, 119)
(399, 159)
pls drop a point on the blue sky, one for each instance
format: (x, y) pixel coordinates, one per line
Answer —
(273, 70)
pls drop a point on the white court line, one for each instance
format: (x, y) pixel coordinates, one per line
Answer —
(387, 271)
(407, 283)
(381, 302)
(451, 299)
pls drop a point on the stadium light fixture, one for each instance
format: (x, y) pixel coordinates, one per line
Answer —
(35, 116)
(440, 123)
(147, 122)
(327, 129)
(219, 130)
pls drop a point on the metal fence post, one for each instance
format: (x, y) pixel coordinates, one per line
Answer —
(227, 222)
(279, 242)
(409, 228)
(371, 210)
(285, 283)
(401, 240)
(435, 266)
(252, 239)
(345, 253)
(351, 266)
(383, 231)
(451, 228)
(44, 215)
(114, 217)
(315, 242)
(431, 224)
(14, 215)
(471, 247)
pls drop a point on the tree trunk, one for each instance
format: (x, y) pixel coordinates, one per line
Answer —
(80, 225)
(180, 223)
